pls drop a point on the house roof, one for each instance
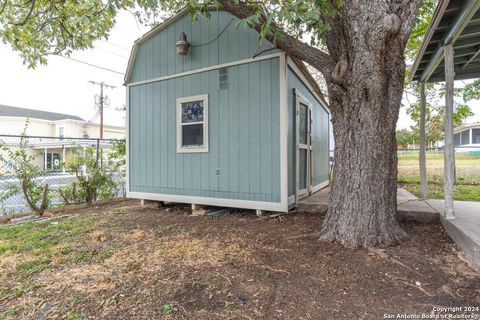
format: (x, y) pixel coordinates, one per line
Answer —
(9, 111)
(464, 127)
(455, 22)
(179, 15)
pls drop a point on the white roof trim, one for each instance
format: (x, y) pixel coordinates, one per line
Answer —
(147, 36)
(179, 15)
(466, 126)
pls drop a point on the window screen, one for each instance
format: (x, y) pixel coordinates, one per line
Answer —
(456, 139)
(466, 137)
(475, 135)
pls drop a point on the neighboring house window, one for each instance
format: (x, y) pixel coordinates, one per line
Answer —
(456, 139)
(192, 124)
(61, 132)
(466, 137)
(475, 135)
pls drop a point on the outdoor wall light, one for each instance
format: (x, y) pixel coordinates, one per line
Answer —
(182, 45)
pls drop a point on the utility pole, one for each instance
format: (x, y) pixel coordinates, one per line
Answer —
(101, 102)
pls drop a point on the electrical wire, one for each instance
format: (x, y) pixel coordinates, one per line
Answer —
(90, 64)
(111, 52)
(216, 38)
(118, 46)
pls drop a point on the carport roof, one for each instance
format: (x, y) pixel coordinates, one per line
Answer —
(456, 22)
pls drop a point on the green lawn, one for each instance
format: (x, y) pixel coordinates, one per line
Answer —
(467, 167)
(435, 191)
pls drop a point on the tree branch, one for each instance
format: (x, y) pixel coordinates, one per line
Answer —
(408, 13)
(3, 7)
(32, 6)
(291, 45)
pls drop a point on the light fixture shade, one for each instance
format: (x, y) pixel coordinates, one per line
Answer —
(182, 45)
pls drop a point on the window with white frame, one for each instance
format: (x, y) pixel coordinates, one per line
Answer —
(61, 132)
(192, 124)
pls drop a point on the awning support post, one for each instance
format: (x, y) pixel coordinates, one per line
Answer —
(449, 162)
(422, 156)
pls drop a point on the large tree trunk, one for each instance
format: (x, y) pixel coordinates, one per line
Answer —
(365, 92)
(363, 204)
(364, 71)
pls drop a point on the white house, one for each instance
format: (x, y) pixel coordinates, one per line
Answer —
(57, 133)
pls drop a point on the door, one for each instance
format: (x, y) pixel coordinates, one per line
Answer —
(304, 146)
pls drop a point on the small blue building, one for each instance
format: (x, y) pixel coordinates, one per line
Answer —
(215, 118)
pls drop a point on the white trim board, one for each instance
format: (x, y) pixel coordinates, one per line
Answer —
(127, 141)
(283, 133)
(320, 186)
(307, 83)
(210, 68)
(221, 202)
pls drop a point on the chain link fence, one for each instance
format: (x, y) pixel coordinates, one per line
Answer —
(60, 164)
(467, 165)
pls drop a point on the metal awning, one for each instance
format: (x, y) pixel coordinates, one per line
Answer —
(456, 22)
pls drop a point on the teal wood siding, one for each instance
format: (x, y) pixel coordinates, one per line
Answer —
(243, 161)
(156, 56)
(320, 132)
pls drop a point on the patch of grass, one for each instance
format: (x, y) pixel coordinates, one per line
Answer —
(75, 299)
(33, 236)
(33, 246)
(168, 308)
(174, 228)
(93, 255)
(17, 291)
(11, 312)
(29, 267)
(435, 191)
(73, 315)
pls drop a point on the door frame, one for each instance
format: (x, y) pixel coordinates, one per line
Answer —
(299, 193)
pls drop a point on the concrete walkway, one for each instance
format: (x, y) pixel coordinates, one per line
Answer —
(409, 207)
(464, 230)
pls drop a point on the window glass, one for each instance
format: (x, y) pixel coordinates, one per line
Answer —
(456, 139)
(303, 169)
(303, 123)
(466, 137)
(192, 135)
(475, 135)
(192, 111)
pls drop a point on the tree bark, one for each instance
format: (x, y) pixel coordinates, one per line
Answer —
(365, 92)
(364, 71)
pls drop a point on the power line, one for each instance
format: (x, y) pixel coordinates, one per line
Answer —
(91, 64)
(118, 46)
(111, 52)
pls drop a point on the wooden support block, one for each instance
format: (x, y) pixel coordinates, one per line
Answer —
(198, 210)
(259, 212)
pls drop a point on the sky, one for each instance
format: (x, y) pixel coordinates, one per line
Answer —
(63, 85)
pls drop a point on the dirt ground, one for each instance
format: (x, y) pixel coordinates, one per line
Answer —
(133, 262)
